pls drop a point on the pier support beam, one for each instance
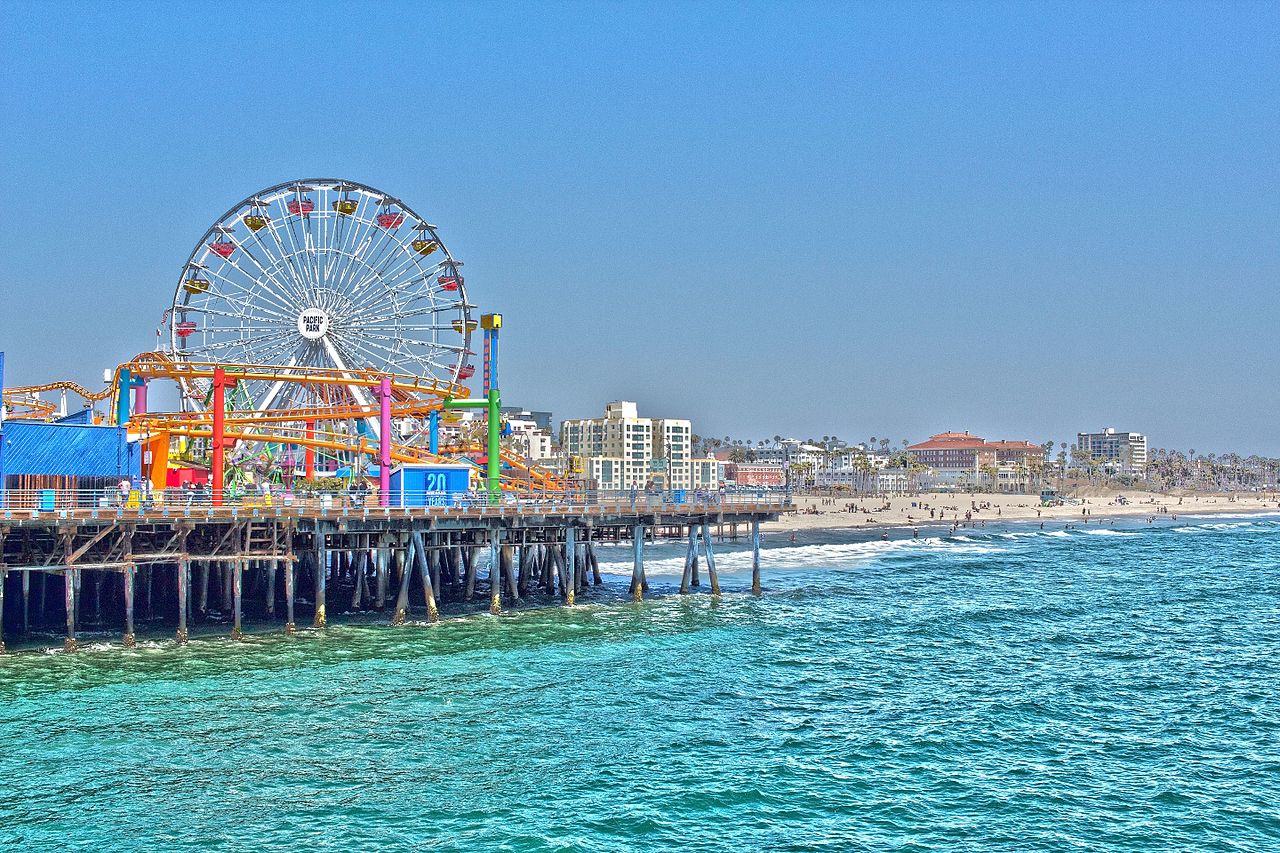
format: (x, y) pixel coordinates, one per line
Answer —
(637, 566)
(269, 569)
(184, 595)
(26, 602)
(755, 556)
(322, 569)
(691, 554)
(382, 567)
(129, 575)
(290, 580)
(596, 580)
(468, 558)
(202, 589)
(424, 570)
(495, 575)
(570, 570)
(711, 560)
(404, 567)
(3, 574)
(507, 560)
(237, 597)
(69, 597)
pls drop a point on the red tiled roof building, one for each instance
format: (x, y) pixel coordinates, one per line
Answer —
(960, 451)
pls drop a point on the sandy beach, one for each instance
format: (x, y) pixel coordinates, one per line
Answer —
(813, 513)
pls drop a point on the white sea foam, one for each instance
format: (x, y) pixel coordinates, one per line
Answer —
(670, 560)
(1220, 516)
(1107, 532)
(1265, 524)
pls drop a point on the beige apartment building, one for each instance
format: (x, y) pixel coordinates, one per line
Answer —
(623, 450)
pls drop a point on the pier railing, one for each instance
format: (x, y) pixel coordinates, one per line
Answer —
(95, 503)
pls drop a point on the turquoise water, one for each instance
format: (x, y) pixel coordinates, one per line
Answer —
(1007, 689)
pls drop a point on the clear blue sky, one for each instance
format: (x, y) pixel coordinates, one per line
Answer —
(1023, 220)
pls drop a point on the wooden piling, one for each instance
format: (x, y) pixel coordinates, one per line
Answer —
(322, 569)
(571, 558)
(755, 556)
(403, 566)
(382, 565)
(202, 589)
(506, 559)
(691, 554)
(522, 578)
(69, 597)
(184, 584)
(637, 566)
(290, 581)
(711, 561)
(424, 572)
(469, 573)
(596, 580)
(4, 573)
(495, 575)
(237, 596)
(270, 569)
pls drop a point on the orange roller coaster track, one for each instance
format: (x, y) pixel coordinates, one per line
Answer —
(411, 397)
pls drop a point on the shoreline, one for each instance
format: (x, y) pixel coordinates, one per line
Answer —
(883, 514)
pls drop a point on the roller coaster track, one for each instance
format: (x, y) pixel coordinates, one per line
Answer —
(411, 397)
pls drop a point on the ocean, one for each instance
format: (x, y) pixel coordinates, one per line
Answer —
(1111, 687)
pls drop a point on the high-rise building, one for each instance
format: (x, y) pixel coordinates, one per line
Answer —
(1123, 452)
(623, 450)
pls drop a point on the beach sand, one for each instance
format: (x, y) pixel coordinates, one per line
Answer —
(813, 512)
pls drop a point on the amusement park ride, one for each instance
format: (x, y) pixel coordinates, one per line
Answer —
(321, 317)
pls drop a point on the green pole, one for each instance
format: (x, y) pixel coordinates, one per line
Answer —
(495, 432)
(492, 406)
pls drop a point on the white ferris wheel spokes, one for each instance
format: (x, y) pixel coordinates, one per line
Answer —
(322, 273)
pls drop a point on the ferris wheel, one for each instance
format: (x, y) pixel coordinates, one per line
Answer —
(322, 273)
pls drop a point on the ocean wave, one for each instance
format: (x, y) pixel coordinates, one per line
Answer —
(799, 556)
(1224, 525)
(1108, 532)
(1219, 516)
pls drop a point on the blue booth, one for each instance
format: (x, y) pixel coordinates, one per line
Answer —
(429, 484)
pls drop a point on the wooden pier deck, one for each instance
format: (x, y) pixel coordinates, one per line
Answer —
(85, 567)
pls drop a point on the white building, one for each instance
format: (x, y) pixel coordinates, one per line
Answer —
(1121, 452)
(531, 440)
(623, 450)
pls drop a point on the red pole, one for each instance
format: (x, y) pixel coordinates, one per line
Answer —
(309, 452)
(219, 414)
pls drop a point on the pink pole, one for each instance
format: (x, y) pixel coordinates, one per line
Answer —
(384, 443)
(140, 398)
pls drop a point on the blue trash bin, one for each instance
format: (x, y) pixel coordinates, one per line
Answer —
(679, 496)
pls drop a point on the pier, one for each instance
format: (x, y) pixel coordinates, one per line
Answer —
(287, 565)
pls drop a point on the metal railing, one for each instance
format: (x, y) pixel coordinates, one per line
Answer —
(105, 502)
